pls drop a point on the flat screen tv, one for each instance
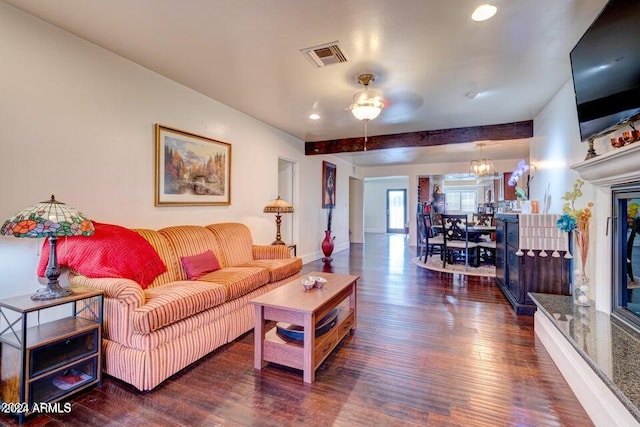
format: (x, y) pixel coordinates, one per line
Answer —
(606, 70)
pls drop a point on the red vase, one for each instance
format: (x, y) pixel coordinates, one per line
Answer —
(327, 246)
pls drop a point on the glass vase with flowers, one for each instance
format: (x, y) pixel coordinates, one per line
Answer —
(577, 221)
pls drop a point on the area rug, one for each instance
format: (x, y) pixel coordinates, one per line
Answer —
(435, 263)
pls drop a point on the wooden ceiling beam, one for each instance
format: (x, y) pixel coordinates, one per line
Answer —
(427, 138)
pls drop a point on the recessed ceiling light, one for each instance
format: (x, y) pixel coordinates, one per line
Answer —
(471, 95)
(484, 12)
(314, 116)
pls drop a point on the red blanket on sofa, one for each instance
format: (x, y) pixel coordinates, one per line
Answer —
(113, 251)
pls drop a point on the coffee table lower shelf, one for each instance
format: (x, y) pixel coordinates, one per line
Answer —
(290, 303)
(289, 352)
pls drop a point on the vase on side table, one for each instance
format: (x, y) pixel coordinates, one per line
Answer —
(327, 246)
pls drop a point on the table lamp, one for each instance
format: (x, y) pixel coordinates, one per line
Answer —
(50, 219)
(278, 206)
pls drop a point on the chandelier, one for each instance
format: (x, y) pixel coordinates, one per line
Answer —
(482, 166)
(367, 104)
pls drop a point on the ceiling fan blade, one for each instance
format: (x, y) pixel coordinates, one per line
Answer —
(399, 104)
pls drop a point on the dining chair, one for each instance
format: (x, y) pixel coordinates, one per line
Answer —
(433, 241)
(483, 220)
(436, 219)
(486, 242)
(487, 250)
(422, 237)
(456, 241)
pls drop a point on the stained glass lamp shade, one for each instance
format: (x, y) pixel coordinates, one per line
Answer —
(278, 206)
(50, 219)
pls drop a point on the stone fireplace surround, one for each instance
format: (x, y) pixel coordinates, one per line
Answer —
(597, 354)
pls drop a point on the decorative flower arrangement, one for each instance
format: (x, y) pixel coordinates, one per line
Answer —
(520, 194)
(576, 220)
(517, 173)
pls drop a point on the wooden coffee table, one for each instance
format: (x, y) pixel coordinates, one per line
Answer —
(292, 304)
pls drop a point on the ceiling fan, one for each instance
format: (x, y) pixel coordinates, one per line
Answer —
(367, 104)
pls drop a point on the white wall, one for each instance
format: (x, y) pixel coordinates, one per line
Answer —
(375, 201)
(555, 147)
(78, 121)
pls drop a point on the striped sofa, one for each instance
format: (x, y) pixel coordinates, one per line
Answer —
(150, 334)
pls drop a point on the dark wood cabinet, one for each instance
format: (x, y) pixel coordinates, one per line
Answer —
(509, 192)
(501, 188)
(424, 190)
(517, 275)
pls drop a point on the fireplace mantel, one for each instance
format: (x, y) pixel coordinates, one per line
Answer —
(618, 166)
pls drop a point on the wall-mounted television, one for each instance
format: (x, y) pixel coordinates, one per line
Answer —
(606, 70)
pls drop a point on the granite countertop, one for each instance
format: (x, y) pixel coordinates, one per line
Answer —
(610, 347)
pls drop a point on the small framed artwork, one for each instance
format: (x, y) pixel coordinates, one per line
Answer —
(191, 169)
(328, 185)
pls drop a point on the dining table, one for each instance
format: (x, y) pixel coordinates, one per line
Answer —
(475, 231)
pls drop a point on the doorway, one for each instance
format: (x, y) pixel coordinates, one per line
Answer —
(356, 210)
(396, 210)
(287, 191)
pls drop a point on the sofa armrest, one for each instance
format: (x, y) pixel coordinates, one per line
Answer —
(126, 291)
(271, 252)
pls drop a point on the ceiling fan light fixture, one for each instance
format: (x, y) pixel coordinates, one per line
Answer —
(484, 12)
(367, 104)
(366, 109)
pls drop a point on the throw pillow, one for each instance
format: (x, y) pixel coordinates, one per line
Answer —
(198, 265)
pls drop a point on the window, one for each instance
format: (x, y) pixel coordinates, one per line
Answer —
(461, 200)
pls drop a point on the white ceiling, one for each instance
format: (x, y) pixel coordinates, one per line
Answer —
(426, 55)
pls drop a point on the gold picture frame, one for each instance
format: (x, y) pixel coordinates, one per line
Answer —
(191, 170)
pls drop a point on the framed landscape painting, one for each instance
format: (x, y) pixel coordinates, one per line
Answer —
(191, 169)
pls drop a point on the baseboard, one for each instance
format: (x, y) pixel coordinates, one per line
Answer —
(375, 230)
(600, 403)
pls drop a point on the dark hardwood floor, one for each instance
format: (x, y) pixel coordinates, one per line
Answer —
(431, 349)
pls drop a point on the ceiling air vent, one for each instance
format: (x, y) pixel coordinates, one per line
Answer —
(325, 54)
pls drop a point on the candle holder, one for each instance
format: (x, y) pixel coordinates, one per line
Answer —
(591, 152)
